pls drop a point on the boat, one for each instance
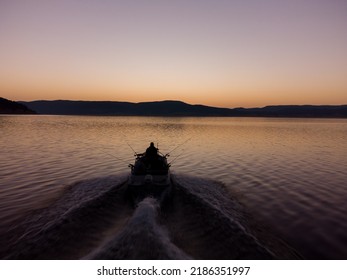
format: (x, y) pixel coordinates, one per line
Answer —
(149, 176)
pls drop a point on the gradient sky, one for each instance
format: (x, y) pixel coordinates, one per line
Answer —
(215, 52)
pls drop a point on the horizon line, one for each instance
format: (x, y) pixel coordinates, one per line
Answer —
(173, 100)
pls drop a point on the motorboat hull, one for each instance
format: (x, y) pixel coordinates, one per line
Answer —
(142, 186)
(149, 177)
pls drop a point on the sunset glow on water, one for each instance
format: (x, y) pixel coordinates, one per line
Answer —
(290, 173)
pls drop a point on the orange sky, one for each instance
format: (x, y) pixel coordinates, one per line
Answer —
(219, 53)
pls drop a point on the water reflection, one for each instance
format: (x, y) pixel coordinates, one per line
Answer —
(290, 172)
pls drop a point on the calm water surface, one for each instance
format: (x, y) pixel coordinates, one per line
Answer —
(290, 174)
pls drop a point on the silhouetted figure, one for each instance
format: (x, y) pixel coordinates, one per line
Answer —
(151, 151)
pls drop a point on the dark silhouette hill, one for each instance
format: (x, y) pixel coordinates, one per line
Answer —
(297, 111)
(159, 108)
(11, 107)
(178, 108)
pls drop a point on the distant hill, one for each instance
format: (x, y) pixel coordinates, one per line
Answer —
(178, 108)
(297, 111)
(11, 107)
(113, 108)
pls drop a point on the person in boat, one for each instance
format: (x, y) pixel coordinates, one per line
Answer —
(151, 151)
(154, 161)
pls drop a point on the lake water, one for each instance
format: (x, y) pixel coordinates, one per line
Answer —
(289, 174)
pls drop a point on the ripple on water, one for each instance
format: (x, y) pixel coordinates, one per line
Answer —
(290, 172)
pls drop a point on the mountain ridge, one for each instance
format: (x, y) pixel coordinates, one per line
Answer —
(12, 107)
(179, 108)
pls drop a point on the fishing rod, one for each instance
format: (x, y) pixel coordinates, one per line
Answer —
(178, 146)
(113, 156)
(85, 143)
(131, 148)
(135, 153)
(171, 162)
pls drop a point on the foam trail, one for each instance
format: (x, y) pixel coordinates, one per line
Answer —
(213, 225)
(93, 219)
(74, 223)
(142, 238)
